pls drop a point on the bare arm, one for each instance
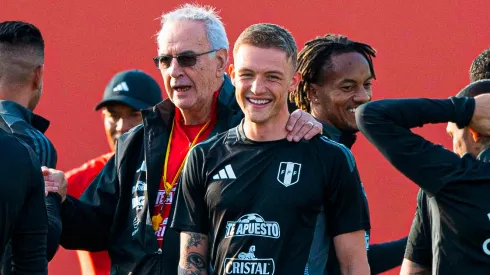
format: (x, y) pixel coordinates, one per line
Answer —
(351, 252)
(193, 254)
(411, 268)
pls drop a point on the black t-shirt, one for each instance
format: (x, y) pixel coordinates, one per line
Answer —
(258, 202)
(419, 243)
(419, 246)
(455, 202)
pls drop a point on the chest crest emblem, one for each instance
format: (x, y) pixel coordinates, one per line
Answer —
(288, 173)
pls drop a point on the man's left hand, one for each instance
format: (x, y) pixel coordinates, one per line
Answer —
(302, 125)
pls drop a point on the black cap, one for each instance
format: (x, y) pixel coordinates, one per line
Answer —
(134, 88)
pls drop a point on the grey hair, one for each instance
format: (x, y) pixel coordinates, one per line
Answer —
(215, 30)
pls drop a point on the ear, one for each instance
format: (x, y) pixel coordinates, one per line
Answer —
(231, 73)
(103, 113)
(474, 134)
(37, 80)
(222, 58)
(312, 92)
(294, 82)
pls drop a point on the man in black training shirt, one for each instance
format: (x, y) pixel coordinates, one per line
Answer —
(23, 219)
(257, 197)
(455, 229)
(418, 257)
(336, 78)
(21, 82)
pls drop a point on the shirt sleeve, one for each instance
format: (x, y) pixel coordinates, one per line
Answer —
(386, 124)
(346, 203)
(419, 244)
(385, 256)
(38, 142)
(191, 212)
(53, 205)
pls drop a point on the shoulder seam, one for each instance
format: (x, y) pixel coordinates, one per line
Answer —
(344, 149)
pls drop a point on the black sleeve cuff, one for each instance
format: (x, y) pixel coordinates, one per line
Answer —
(179, 227)
(464, 109)
(67, 207)
(55, 200)
(349, 228)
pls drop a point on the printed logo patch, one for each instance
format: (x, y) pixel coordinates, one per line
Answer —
(252, 225)
(247, 263)
(225, 173)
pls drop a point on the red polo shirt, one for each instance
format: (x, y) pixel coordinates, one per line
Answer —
(181, 139)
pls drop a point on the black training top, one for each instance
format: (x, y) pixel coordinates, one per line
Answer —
(23, 218)
(419, 247)
(259, 201)
(455, 190)
(29, 128)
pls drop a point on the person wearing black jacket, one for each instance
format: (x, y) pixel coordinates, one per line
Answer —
(21, 78)
(453, 212)
(23, 218)
(337, 74)
(126, 209)
(418, 257)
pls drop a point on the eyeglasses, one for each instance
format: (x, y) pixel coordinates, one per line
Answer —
(184, 60)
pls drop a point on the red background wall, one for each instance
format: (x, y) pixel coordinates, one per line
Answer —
(424, 49)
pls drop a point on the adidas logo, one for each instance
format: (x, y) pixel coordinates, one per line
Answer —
(121, 87)
(226, 173)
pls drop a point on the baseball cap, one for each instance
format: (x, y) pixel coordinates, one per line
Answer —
(134, 88)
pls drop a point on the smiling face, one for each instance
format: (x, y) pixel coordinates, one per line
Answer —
(345, 86)
(190, 87)
(263, 77)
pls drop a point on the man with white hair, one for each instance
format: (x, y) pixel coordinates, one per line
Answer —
(126, 209)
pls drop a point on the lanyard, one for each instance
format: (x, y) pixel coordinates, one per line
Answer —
(157, 219)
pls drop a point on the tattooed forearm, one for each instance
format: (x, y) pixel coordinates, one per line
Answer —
(195, 264)
(193, 254)
(196, 260)
(183, 271)
(195, 240)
